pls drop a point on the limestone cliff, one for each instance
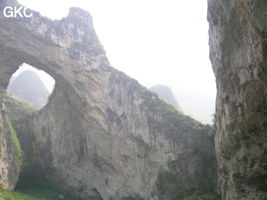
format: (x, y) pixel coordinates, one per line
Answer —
(101, 134)
(20, 114)
(238, 54)
(9, 171)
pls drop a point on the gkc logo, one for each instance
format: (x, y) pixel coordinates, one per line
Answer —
(13, 12)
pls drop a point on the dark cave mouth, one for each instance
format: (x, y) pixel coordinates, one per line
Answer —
(28, 91)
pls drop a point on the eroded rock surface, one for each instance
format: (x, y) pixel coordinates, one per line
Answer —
(238, 54)
(102, 134)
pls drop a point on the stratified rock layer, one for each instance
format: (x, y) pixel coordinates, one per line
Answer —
(238, 52)
(101, 134)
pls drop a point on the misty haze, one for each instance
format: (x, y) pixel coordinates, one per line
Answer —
(115, 100)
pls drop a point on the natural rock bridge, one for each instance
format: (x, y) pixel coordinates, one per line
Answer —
(102, 134)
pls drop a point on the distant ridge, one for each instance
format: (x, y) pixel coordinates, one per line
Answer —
(28, 87)
(166, 94)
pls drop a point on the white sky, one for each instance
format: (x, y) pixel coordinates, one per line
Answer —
(48, 81)
(153, 41)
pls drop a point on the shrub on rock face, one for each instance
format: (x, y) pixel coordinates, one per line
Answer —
(15, 144)
(170, 188)
(131, 198)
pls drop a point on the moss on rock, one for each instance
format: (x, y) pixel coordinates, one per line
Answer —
(15, 144)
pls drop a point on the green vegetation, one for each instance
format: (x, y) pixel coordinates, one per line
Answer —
(169, 188)
(172, 108)
(10, 195)
(211, 133)
(211, 130)
(34, 193)
(131, 198)
(156, 101)
(44, 193)
(15, 144)
(165, 93)
(18, 110)
(17, 114)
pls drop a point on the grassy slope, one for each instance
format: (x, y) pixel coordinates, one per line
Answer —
(34, 193)
(17, 109)
(10, 195)
(18, 112)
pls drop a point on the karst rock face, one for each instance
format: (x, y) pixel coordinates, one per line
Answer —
(238, 52)
(101, 134)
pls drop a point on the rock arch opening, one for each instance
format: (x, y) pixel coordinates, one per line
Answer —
(99, 124)
(28, 92)
(31, 85)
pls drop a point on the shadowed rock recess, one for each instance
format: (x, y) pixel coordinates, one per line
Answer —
(102, 134)
(238, 52)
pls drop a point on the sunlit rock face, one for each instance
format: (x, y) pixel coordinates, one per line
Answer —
(238, 54)
(101, 134)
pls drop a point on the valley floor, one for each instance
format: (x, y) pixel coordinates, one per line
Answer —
(10, 195)
(33, 193)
